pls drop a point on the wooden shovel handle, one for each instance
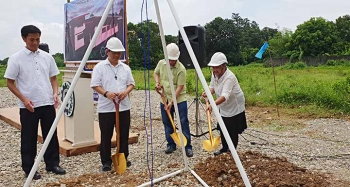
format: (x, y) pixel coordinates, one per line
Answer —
(208, 118)
(117, 124)
(161, 93)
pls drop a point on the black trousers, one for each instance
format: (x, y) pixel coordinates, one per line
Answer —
(235, 125)
(107, 124)
(29, 132)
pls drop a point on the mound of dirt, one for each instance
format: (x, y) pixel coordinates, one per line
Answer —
(221, 171)
(262, 171)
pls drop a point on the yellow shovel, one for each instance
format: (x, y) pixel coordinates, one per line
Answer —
(176, 135)
(212, 143)
(118, 159)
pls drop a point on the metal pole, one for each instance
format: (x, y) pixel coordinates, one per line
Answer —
(170, 76)
(210, 97)
(69, 93)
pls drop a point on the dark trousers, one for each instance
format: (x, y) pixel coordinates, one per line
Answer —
(107, 124)
(185, 125)
(29, 133)
(235, 125)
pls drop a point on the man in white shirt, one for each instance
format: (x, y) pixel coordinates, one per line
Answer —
(229, 99)
(34, 72)
(112, 80)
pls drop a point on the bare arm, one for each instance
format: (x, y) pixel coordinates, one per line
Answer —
(27, 103)
(54, 84)
(156, 79)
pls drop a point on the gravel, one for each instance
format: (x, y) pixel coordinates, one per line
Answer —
(322, 145)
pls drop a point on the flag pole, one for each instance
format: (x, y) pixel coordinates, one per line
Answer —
(274, 82)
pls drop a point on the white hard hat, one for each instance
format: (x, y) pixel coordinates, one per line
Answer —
(173, 51)
(115, 45)
(217, 59)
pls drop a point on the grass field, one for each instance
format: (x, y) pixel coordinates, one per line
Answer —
(324, 89)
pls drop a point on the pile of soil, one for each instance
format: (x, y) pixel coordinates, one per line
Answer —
(262, 171)
(221, 171)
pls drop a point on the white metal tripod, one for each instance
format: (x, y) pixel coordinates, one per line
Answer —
(200, 75)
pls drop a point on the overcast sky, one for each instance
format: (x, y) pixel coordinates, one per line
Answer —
(48, 16)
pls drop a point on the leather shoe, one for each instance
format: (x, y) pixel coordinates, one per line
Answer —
(128, 163)
(56, 170)
(220, 152)
(169, 150)
(189, 153)
(106, 167)
(36, 176)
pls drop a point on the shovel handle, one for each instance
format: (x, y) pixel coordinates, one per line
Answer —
(117, 124)
(161, 93)
(208, 118)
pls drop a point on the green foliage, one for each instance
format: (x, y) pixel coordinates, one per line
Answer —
(316, 37)
(341, 62)
(296, 65)
(138, 39)
(59, 59)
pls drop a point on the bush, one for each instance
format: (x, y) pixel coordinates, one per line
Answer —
(297, 65)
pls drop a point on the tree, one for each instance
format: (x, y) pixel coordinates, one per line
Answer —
(138, 44)
(343, 27)
(315, 37)
(222, 35)
(280, 42)
(59, 59)
(4, 62)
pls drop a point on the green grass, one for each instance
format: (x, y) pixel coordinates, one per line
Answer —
(310, 89)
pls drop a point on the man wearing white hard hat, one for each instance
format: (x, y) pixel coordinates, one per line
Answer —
(229, 99)
(112, 80)
(179, 79)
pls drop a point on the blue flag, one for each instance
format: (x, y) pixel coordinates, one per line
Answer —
(262, 50)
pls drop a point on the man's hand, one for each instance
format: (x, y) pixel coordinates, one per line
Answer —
(209, 108)
(111, 95)
(56, 99)
(158, 86)
(28, 104)
(204, 94)
(122, 95)
(170, 104)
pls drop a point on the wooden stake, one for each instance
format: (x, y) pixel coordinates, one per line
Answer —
(274, 82)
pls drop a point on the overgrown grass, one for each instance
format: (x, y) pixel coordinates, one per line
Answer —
(324, 87)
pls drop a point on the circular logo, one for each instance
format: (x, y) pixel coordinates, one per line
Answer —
(69, 110)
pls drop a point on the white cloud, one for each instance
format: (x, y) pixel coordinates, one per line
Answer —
(48, 16)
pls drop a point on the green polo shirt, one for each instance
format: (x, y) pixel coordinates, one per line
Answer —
(179, 79)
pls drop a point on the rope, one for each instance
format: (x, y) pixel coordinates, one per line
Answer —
(147, 67)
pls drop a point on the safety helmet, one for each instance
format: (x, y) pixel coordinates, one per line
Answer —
(217, 59)
(173, 51)
(115, 45)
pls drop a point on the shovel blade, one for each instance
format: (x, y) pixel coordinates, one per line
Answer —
(176, 138)
(119, 162)
(211, 145)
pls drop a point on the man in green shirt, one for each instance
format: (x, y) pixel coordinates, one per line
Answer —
(179, 81)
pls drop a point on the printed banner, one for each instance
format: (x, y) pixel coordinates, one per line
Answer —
(81, 21)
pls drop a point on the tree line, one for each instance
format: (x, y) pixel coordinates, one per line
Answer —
(240, 39)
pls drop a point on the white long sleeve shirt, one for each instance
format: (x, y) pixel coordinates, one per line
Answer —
(227, 85)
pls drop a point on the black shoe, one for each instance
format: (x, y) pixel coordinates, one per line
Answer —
(189, 153)
(36, 176)
(128, 163)
(106, 167)
(220, 152)
(169, 150)
(56, 170)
